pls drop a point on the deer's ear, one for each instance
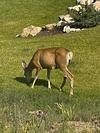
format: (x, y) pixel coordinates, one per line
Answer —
(24, 64)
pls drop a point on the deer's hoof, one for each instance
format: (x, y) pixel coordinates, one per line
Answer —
(49, 88)
(32, 87)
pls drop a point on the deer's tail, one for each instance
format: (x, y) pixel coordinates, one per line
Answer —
(69, 57)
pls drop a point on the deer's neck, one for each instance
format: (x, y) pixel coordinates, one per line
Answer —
(30, 66)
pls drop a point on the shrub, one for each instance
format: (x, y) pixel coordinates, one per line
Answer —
(85, 17)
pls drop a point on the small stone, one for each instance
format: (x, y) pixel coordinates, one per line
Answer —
(77, 8)
(61, 23)
(49, 27)
(66, 29)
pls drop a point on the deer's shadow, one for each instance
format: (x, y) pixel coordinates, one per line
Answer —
(39, 82)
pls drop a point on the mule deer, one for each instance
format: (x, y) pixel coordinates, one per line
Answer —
(50, 58)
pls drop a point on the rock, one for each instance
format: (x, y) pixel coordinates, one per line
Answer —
(67, 29)
(49, 27)
(74, 29)
(65, 19)
(97, 5)
(30, 30)
(77, 8)
(61, 23)
(68, 18)
(83, 2)
(35, 31)
(61, 17)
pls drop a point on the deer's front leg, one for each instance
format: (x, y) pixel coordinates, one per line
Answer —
(69, 75)
(36, 77)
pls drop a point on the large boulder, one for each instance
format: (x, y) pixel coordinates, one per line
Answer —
(30, 30)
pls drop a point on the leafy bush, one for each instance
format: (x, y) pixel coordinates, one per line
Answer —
(85, 17)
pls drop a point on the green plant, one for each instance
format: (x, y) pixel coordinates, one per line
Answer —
(85, 17)
(68, 113)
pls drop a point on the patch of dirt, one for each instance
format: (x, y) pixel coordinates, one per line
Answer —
(49, 33)
(76, 127)
(86, 127)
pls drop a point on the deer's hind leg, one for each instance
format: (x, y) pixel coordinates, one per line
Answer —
(69, 75)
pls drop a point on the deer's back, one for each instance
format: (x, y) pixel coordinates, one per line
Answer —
(50, 57)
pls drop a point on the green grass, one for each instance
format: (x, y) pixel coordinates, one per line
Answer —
(16, 98)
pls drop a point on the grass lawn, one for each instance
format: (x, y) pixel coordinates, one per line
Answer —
(17, 99)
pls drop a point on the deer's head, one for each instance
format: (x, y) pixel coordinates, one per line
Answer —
(27, 72)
